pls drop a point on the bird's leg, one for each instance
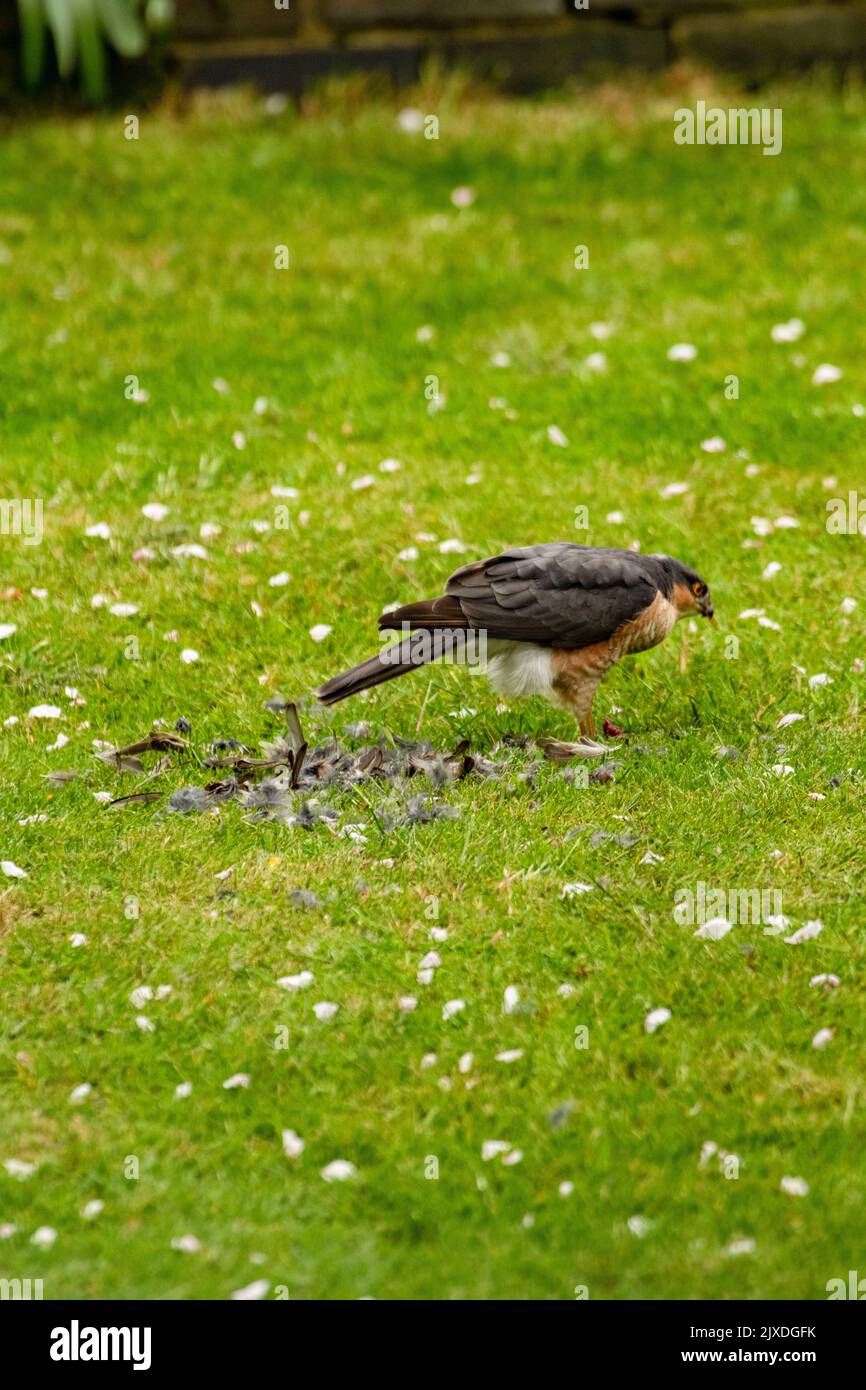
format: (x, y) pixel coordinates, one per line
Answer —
(587, 725)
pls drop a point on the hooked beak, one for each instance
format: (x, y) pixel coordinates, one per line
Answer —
(707, 609)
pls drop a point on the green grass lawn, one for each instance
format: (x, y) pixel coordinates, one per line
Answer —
(154, 259)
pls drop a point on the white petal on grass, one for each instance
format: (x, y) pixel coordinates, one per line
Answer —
(155, 511)
(510, 1159)
(492, 1147)
(424, 977)
(682, 352)
(741, 1245)
(655, 1019)
(410, 120)
(452, 547)
(822, 1037)
(596, 362)
(320, 632)
(565, 1189)
(361, 484)
(190, 550)
(714, 929)
(45, 712)
(44, 1237)
(652, 858)
(788, 332)
(11, 870)
(293, 1146)
(463, 197)
(786, 523)
(183, 1090)
(772, 569)
(294, 982)
(639, 1226)
(407, 1003)
(428, 1060)
(432, 960)
(510, 999)
(409, 554)
(808, 932)
(556, 436)
(789, 719)
(848, 605)
(145, 1024)
(279, 581)
(19, 1168)
(673, 490)
(339, 1170)
(615, 518)
(7, 630)
(100, 531)
(512, 1054)
(78, 939)
(251, 1293)
(452, 1007)
(794, 1187)
(821, 679)
(828, 981)
(282, 490)
(714, 445)
(825, 373)
(325, 1011)
(782, 769)
(80, 1093)
(464, 1066)
(187, 1245)
(92, 1209)
(240, 1080)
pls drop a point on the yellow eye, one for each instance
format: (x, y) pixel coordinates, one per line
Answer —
(699, 589)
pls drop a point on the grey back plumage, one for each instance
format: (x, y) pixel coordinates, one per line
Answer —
(559, 594)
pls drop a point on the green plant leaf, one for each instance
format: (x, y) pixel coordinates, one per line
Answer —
(159, 14)
(91, 55)
(61, 21)
(122, 26)
(31, 18)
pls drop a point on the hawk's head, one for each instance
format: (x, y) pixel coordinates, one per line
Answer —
(690, 593)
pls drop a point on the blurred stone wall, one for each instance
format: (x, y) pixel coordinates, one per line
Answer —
(283, 45)
(523, 44)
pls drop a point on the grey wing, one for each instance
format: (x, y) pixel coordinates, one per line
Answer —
(560, 595)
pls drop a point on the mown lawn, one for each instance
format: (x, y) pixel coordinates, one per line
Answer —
(154, 259)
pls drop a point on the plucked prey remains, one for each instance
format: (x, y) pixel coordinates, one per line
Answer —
(549, 619)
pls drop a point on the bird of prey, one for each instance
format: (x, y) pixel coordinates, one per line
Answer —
(553, 618)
